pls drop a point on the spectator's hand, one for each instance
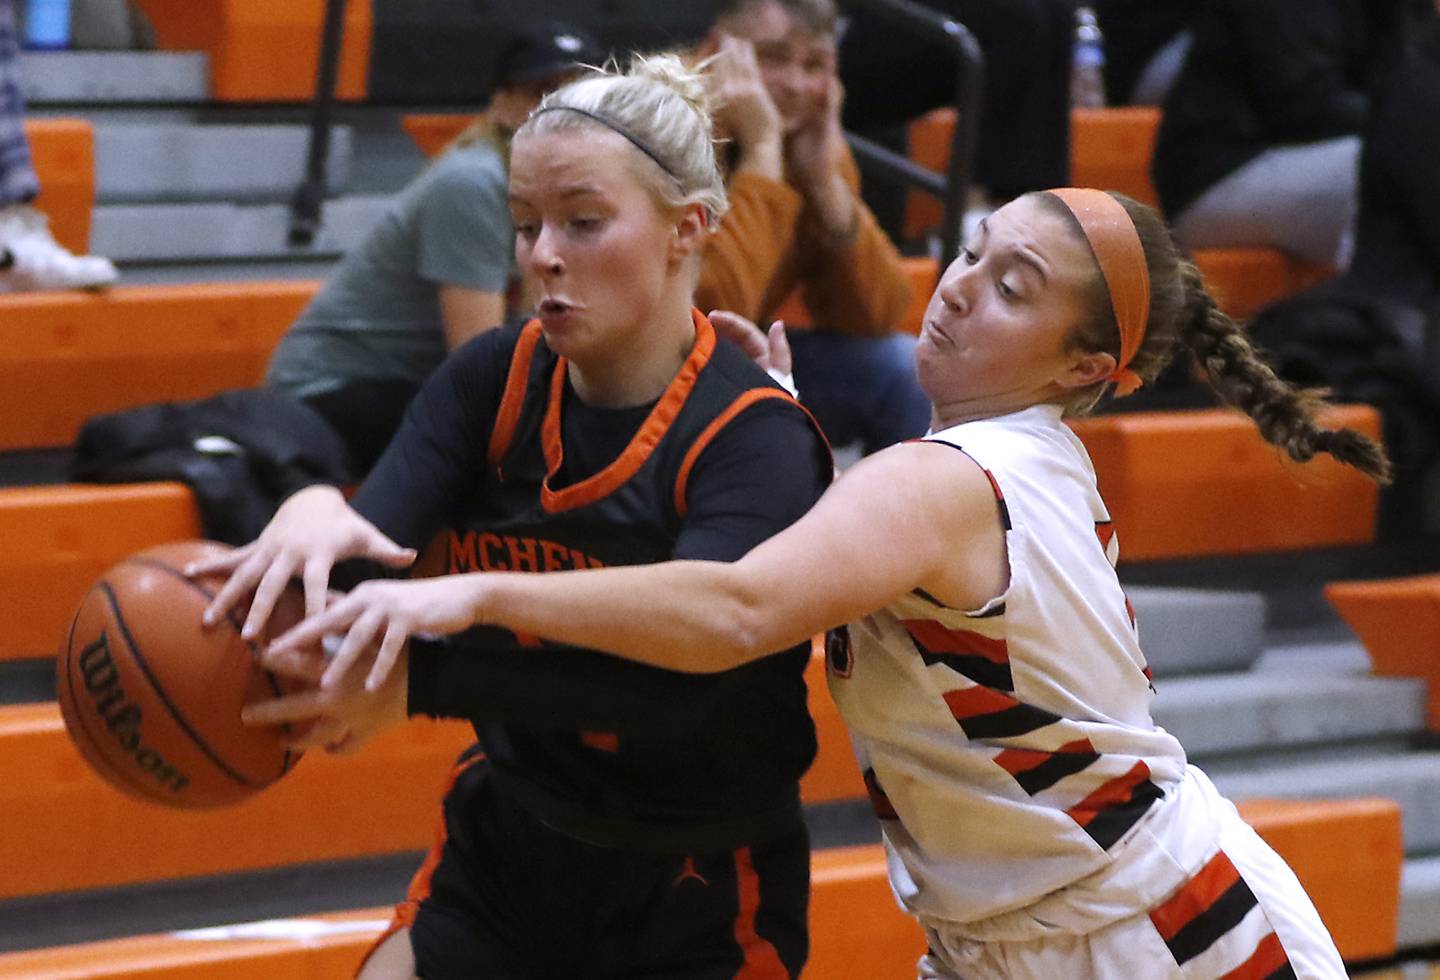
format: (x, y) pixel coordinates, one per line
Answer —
(310, 532)
(744, 108)
(384, 613)
(344, 715)
(814, 153)
(771, 351)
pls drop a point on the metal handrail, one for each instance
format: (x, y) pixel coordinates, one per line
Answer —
(952, 187)
(310, 195)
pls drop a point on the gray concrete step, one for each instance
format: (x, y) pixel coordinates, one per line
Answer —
(114, 77)
(1191, 631)
(180, 161)
(1411, 778)
(1419, 903)
(205, 232)
(1254, 712)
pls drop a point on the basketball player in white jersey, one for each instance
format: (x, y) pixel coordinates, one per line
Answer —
(1037, 822)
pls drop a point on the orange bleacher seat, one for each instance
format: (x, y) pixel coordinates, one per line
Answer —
(265, 50)
(856, 930)
(1111, 149)
(63, 153)
(58, 539)
(1348, 855)
(923, 274)
(66, 356)
(66, 829)
(432, 132)
(1243, 281)
(1398, 621)
(1188, 484)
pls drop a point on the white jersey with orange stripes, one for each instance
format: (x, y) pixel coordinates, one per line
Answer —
(1023, 787)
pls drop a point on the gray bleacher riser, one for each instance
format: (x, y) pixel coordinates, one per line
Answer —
(212, 231)
(1419, 903)
(181, 161)
(1191, 631)
(1412, 779)
(1253, 712)
(101, 77)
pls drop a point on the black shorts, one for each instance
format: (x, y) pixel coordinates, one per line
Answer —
(504, 896)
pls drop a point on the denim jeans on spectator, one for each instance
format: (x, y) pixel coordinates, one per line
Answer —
(18, 184)
(861, 389)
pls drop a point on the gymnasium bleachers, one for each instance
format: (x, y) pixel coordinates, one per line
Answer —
(178, 164)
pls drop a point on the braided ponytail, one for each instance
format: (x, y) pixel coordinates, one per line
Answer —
(1183, 313)
(1284, 413)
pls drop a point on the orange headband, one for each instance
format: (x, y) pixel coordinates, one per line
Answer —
(1116, 244)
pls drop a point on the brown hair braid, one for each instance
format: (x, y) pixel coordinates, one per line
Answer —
(1182, 312)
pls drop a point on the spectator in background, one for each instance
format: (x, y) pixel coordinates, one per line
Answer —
(1145, 46)
(436, 270)
(1260, 141)
(796, 220)
(30, 258)
(891, 77)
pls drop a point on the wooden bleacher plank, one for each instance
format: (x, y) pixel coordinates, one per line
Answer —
(1196, 483)
(58, 539)
(66, 356)
(63, 153)
(265, 50)
(66, 829)
(1398, 621)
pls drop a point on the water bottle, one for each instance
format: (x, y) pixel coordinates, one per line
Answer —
(47, 25)
(1087, 75)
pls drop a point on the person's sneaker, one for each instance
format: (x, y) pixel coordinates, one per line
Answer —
(37, 261)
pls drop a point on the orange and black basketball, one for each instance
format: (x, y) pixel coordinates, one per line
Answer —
(152, 699)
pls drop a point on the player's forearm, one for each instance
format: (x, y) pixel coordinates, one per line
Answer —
(697, 617)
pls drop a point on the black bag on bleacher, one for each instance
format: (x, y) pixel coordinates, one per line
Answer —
(242, 452)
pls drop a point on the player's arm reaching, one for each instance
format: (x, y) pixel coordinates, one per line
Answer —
(890, 525)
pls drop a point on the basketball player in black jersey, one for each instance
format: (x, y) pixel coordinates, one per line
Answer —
(614, 819)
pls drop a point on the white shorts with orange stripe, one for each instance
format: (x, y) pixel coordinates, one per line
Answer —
(1242, 916)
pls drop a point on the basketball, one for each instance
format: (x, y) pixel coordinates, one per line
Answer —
(152, 699)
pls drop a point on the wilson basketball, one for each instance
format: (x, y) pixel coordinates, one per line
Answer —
(152, 699)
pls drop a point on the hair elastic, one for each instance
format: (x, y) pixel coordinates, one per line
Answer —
(1115, 241)
(614, 127)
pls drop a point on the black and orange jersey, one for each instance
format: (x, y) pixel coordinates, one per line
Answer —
(502, 460)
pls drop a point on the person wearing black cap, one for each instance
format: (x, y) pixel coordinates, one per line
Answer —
(437, 269)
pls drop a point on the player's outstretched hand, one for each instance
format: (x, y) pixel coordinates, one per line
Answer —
(383, 612)
(343, 716)
(310, 532)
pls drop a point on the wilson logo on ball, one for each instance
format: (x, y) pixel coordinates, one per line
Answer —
(122, 716)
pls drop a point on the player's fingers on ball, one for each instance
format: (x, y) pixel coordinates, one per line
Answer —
(240, 582)
(226, 562)
(316, 579)
(395, 637)
(277, 711)
(267, 594)
(294, 663)
(359, 639)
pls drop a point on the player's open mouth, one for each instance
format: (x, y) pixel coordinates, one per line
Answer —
(553, 307)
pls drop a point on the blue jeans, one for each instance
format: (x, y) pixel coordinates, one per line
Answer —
(17, 176)
(860, 389)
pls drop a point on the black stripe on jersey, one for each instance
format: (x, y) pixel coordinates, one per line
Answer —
(976, 668)
(1286, 972)
(1019, 720)
(881, 804)
(1054, 769)
(1110, 824)
(1201, 932)
(999, 496)
(997, 610)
